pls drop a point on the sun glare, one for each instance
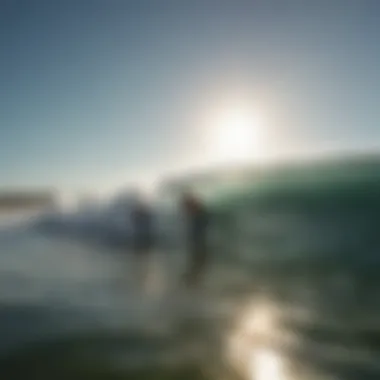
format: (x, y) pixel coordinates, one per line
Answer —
(247, 348)
(237, 135)
(266, 365)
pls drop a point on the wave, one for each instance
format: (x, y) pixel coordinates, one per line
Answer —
(325, 209)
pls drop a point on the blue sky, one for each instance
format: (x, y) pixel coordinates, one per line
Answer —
(98, 93)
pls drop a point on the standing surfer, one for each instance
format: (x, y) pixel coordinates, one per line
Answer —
(142, 235)
(197, 227)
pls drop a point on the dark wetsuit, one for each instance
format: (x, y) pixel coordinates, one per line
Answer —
(198, 220)
(142, 230)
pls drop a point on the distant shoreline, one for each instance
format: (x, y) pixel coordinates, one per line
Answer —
(15, 201)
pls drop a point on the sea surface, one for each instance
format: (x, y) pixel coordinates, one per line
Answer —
(292, 291)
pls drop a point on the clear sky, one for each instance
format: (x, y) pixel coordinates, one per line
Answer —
(95, 93)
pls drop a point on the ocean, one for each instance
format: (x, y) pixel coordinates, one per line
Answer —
(292, 290)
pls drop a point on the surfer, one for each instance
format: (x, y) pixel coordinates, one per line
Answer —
(142, 234)
(197, 226)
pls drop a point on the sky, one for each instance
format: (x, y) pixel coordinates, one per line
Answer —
(98, 93)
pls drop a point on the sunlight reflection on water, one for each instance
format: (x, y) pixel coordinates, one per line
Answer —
(266, 365)
(249, 348)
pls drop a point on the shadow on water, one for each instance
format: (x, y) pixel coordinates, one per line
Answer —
(45, 348)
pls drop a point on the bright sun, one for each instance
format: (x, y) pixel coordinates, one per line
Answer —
(237, 135)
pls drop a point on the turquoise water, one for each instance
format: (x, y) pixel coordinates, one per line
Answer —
(292, 293)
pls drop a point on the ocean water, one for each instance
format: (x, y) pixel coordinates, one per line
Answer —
(292, 290)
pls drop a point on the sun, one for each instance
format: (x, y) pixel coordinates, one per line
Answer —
(237, 135)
